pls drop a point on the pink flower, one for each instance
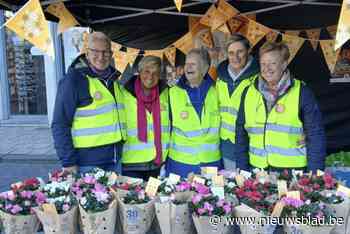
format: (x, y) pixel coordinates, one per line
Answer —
(89, 179)
(220, 203)
(196, 198)
(65, 207)
(141, 194)
(15, 209)
(8, 207)
(99, 188)
(40, 198)
(208, 206)
(201, 211)
(183, 186)
(79, 193)
(3, 195)
(138, 188)
(26, 194)
(227, 208)
(201, 189)
(11, 195)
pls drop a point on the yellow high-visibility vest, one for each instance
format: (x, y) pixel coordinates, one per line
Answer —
(135, 151)
(193, 140)
(275, 137)
(103, 121)
(229, 107)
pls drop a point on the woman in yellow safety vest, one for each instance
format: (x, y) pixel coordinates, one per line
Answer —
(195, 118)
(147, 121)
(279, 122)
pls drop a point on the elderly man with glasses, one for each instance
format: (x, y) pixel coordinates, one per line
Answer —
(89, 120)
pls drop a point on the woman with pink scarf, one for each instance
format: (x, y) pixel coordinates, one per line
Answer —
(147, 121)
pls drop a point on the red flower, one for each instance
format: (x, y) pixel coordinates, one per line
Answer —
(31, 182)
(329, 181)
(124, 186)
(307, 189)
(316, 186)
(250, 184)
(304, 181)
(285, 173)
(254, 195)
(240, 192)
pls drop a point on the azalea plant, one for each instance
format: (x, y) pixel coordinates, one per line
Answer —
(137, 196)
(103, 177)
(92, 195)
(259, 196)
(208, 205)
(58, 193)
(31, 184)
(21, 202)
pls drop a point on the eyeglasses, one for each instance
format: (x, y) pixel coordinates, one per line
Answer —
(105, 53)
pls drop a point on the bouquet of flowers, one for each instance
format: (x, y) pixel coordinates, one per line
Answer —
(106, 178)
(59, 214)
(172, 207)
(136, 211)
(204, 205)
(16, 207)
(123, 184)
(257, 200)
(62, 175)
(315, 217)
(97, 204)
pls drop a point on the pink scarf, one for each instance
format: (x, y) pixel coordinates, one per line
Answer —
(151, 103)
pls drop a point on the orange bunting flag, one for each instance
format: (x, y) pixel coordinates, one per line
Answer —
(234, 24)
(313, 35)
(256, 32)
(170, 54)
(132, 55)
(67, 20)
(120, 60)
(185, 43)
(252, 16)
(192, 21)
(207, 39)
(227, 10)
(329, 53)
(332, 30)
(115, 46)
(213, 72)
(157, 53)
(224, 28)
(343, 29)
(293, 43)
(178, 4)
(213, 18)
(271, 36)
(30, 24)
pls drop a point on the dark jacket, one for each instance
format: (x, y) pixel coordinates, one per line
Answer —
(130, 87)
(223, 74)
(309, 114)
(73, 92)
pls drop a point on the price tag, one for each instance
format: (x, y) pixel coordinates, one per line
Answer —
(152, 186)
(282, 187)
(246, 174)
(218, 191)
(218, 180)
(173, 178)
(344, 189)
(49, 209)
(277, 210)
(198, 180)
(293, 194)
(240, 180)
(209, 170)
(319, 172)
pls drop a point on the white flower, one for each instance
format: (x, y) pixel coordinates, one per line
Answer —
(167, 189)
(27, 203)
(231, 184)
(83, 201)
(307, 202)
(256, 170)
(99, 174)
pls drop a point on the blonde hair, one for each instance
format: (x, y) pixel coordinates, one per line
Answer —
(281, 47)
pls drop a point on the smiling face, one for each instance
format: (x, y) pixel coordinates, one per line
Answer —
(237, 56)
(149, 76)
(99, 54)
(272, 66)
(193, 69)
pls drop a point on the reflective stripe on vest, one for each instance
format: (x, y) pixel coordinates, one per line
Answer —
(194, 140)
(101, 122)
(275, 140)
(135, 151)
(99, 111)
(229, 105)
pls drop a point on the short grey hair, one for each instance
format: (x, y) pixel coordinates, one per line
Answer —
(99, 36)
(204, 58)
(237, 37)
(150, 60)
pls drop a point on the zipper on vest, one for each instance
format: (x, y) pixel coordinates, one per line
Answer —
(115, 154)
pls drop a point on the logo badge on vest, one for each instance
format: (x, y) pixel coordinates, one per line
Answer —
(280, 108)
(184, 115)
(98, 95)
